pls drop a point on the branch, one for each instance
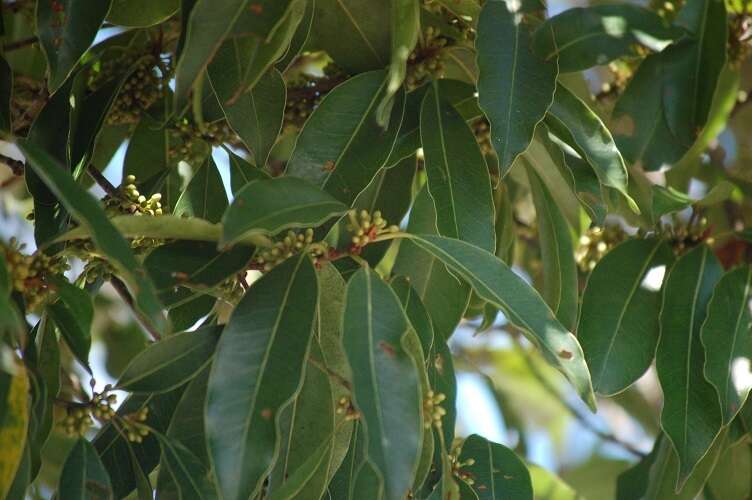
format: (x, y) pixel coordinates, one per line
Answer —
(101, 180)
(20, 44)
(16, 166)
(122, 290)
(582, 419)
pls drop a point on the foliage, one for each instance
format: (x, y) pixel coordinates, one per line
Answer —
(299, 202)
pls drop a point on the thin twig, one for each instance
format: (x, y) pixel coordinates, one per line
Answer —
(16, 166)
(582, 419)
(20, 44)
(122, 290)
(101, 180)
(334, 375)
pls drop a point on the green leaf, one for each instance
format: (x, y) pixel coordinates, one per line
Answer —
(416, 312)
(242, 172)
(208, 25)
(405, 17)
(6, 91)
(271, 205)
(465, 9)
(83, 474)
(66, 30)
(368, 483)
(141, 13)
(341, 146)
(725, 482)
(171, 362)
(444, 296)
(205, 196)
(725, 337)
(557, 252)
(497, 471)
(691, 415)
(191, 476)
(619, 325)
(494, 282)
(592, 36)
(312, 470)
(385, 380)
(257, 370)
(352, 35)
(257, 114)
(106, 237)
(14, 428)
(73, 315)
(575, 123)
(458, 179)
(587, 188)
(667, 199)
(167, 227)
(515, 86)
(300, 39)
(342, 485)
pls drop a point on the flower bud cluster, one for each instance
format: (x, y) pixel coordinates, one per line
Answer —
(432, 411)
(345, 407)
(366, 227)
(425, 62)
(30, 274)
(291, 244)
(596, 243)
(457, 465)
(129, 201)
(141, 89)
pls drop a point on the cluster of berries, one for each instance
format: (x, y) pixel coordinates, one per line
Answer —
(596, 243)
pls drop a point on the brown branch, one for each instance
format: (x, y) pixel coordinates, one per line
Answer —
(122, 290)
(101, 180)
(581, 419)
(20, 44)
(16, 166)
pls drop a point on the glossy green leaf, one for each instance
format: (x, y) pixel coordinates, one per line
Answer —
(83, 474)
(341, 146)
(458, 179)
(73, 315)
(725, 337)
(667, 199)
(191, 476)
(619, 325)
(416, 312)
(208, 25)
(515, 87)
(269, 206)
(444, 296)
(205, 196)
(312, 470)
(574, 122)
(242, 172)
(106, 237)
(560, 286)
(257, 369)
(496, 283)
(497, 471)
(171, 362)
(256, 115)
(691, 415)
(587, 188)
(348, 31)
(589, 36)
(141, 13)
(66, 30)
(386, 386)
(405, 17)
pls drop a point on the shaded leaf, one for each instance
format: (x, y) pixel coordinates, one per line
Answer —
(205, 195)
(83, 474)
(497, 471)
(242, 172)
(73, 315)
(667, 199)
(13, 428)
(258, 368)
(515, 87)
(141, 13)
(619, 324)
(691, 415)
(192, 478)
(405, 18)
(416, 312)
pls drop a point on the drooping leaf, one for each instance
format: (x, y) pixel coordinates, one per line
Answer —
(444, 296)
(106, 237)
(348, 31)
(497, 471)
(83, 474)
(725, 337)
(515, 87)
(269, 206)
(170, 363)
(257, 369)
(458, 179)
(385, 380)
(574, 122)
(584, 37)
(495, 282)
(691, 415)
(66, 30)
(205, 196)
(73, 315)
(557, 252)
(208, 25)
(141, 13)
(619, 325)
(341, 146)
(256, 115)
